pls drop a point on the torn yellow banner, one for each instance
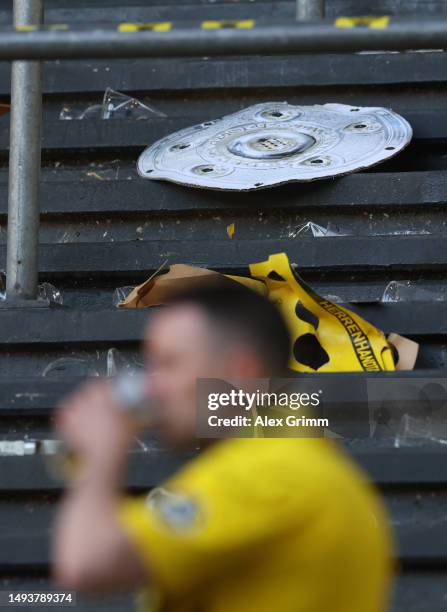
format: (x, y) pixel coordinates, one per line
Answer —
(326, 337)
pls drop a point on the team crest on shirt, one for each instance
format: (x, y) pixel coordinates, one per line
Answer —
(176, 510)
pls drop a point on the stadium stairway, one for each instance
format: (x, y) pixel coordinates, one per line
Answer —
(103, 227)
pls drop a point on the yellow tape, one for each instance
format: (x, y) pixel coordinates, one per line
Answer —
(57, 26)
(231, 23)
(370, 21)
(26, 28)
(161, 26)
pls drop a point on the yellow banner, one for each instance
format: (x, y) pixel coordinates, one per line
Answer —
(326, 336)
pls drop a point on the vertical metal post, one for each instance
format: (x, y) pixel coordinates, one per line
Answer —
(24, 166)
(306, 10)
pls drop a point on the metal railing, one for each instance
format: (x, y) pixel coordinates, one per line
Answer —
(309, 9)
(296, 37)
(25, 46)
(24, 166)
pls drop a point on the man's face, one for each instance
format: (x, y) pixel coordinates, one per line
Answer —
(179, 349)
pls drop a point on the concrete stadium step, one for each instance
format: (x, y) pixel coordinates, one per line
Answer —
(417, 515)
(65, 326)
(403, 473)
(218, 74)
(36, 397)
(91, 205)
(101, 136)
(43, 361)
(397, 7)
(335, 254)
(353, 194)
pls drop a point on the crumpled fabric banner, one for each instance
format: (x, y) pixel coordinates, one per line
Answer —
(326, 336)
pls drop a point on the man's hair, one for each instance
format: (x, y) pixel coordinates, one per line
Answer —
(243, 315)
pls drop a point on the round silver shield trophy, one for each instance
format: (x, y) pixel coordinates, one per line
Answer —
(273, 143)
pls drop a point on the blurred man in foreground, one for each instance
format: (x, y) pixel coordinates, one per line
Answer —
(250, 525)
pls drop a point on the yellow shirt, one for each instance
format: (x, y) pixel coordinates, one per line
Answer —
(264, 525)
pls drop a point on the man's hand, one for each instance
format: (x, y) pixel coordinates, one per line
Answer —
(94, 426)
(91, 552)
